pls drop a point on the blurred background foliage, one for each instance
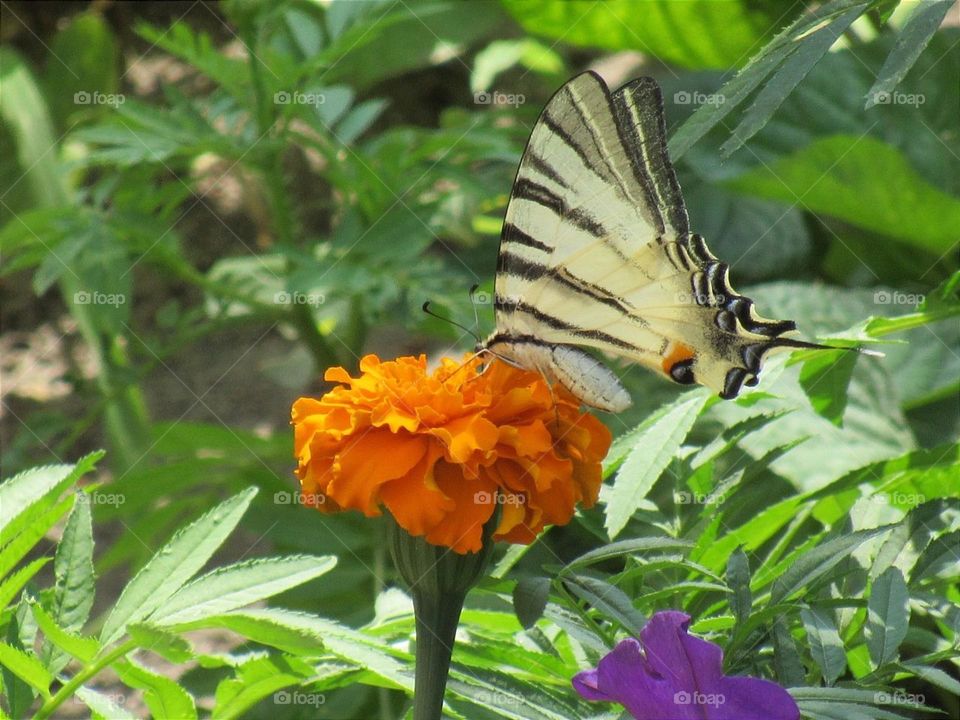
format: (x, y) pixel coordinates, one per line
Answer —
(269, 189)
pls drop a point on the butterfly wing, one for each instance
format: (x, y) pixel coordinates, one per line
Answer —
(596, 250)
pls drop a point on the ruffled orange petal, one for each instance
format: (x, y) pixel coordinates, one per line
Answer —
(414, 500)
(462, 531)
(367, 462)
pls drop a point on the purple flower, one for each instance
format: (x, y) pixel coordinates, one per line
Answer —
(680, 677)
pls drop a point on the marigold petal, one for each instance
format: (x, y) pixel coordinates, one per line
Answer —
(368, 462)
(466, 435)
(414, 500)
(462, 531)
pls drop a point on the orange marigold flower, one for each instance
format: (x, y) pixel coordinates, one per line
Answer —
(441, 449)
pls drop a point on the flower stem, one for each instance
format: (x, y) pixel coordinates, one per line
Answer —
(437, 619)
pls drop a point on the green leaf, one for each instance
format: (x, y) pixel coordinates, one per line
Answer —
(27, 668)
(786, 658)
(916, 33)
(825, 377)
(658, 439)
(356, 647)
(824, 642)
(270, 631)
(939, 556)
(28, 494)
(611, 601)
(794, 69)
(161, 641)
(623, 548)
(738, 580)
(888, 616)
(530, 599)
(234, 586)
(73, 568)
(80, 647)
(174, 565)
(12, 586)
(164, 697)
(837, 176)
(256, 679)
(694, 34)
(934, 676)
(813, 565)
(104, 706)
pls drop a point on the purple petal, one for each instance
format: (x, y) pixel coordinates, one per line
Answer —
(680, 677)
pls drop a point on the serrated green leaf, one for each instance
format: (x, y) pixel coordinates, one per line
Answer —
(530, 599)
(235, 586)
(74, 587)
(161, 641)
(824, 641)
(102, 705)
(12, 586)
(28, 494)
(633, 546)
(80, 647)
(813, 565)
(888, 616)
(916, 33)
(164, 697)
(258, 678)
(658, 440)
(795, 68)
(175, 564)
(27, 668)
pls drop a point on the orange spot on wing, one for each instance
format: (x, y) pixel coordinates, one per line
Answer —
(676, 352)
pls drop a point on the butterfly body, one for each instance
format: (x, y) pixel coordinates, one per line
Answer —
(596, 252)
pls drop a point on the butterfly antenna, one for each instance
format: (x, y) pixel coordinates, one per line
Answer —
(471, 333)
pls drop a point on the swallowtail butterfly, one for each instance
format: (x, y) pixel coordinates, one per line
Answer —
(596, 251)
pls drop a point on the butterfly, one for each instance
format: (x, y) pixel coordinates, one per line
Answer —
(596, 251)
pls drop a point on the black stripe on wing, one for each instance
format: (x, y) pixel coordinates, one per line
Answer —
(556, 323)
(638, 106)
